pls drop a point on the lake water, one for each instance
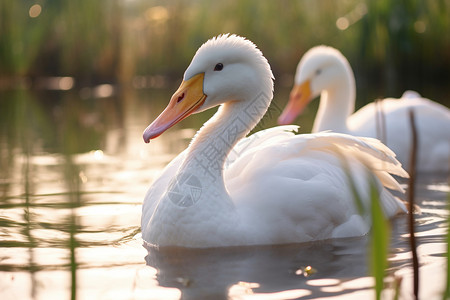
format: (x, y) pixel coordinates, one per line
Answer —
(74, 171)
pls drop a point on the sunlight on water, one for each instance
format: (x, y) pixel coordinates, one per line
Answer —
(244, 290)
(71, 195)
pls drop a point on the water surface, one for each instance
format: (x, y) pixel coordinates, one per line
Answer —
(74, 171)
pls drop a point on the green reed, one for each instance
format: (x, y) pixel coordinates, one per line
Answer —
(446, 294)
(396, 45)
(380, 232)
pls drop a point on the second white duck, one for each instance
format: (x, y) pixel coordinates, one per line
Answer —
(326, 72)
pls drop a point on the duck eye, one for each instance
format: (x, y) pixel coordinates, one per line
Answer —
(318, 71)
(218, 67)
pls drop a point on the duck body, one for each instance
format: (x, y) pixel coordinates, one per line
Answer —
(326, 72)
(432, 122)
(273, 187)
(302, 195)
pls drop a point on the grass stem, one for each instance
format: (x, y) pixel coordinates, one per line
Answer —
(412, 179)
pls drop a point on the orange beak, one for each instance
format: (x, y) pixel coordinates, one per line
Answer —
(185, 101)
(298, 99)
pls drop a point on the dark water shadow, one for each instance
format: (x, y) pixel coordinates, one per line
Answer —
(210, 273)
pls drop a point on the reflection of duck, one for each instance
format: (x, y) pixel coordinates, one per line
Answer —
(277, 188)
(325, 71)
(271, 271)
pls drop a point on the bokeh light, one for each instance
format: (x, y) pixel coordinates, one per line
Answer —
(35, 11)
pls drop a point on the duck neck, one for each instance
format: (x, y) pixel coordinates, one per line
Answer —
(207, 153)
(336, 105)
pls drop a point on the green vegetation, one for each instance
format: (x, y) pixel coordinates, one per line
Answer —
(393, 45)
(380, 232)
(60, 38)
(446, 294)
(379, 242)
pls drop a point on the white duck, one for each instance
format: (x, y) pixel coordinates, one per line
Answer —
(270, 188)
(326, 72)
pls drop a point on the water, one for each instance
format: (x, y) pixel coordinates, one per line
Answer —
(74, 171)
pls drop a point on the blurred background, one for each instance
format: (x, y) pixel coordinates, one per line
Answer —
(393, 45)
(57, 56)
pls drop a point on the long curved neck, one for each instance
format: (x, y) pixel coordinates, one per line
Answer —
(336, 105)
(207, 153)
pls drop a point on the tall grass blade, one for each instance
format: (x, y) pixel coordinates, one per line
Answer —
(379, 242)
(447, 287)
(380, 234)
(411, 192)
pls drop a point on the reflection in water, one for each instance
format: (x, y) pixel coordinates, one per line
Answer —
(27, 228)
(217, 273)
(73, 174)
(57, 199)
